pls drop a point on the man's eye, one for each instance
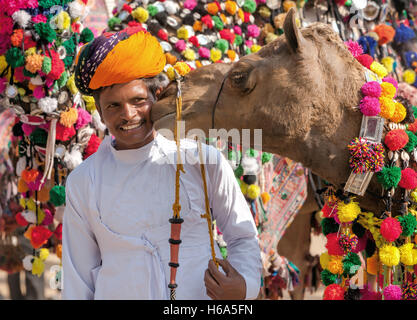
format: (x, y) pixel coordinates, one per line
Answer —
(138, 100)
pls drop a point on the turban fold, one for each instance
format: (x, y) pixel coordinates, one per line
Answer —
(119, 57)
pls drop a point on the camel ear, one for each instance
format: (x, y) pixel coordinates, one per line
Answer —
(295, 39)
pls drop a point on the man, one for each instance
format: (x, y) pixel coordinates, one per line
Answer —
(119, 201)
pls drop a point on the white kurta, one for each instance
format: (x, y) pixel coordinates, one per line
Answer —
(116, 223)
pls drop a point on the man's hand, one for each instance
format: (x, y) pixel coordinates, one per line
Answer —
(231, 286)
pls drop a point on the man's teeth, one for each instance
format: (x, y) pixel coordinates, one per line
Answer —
(133, 126)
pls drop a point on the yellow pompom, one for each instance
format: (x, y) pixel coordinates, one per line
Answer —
(335, 265)
(182, 68)
(171, 73)
(189, 54)
(241, 15)
(388, 63)
(244, 188)
(265, 197)
(140, 14)
(399, 114)
(348, 212)
(68, 118)
(43, 254)
(40, 216)
(22, 202)
(38, 267)
(407, 256)
(389, 255)
(255, 48)
(21, 92)
(90, 103)
(388, 90)
(30, 51)
(31, 205)
(63, 20)
(270, 37)
(324, 260)
(387, 107)
(409, 76)
(215, 54)
(287, 5)
(379, 69)
(372, 265)
(71, 85)
(182, 33)
(253, 191)
(414, 195)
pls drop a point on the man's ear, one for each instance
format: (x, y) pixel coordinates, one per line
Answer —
(158, 92)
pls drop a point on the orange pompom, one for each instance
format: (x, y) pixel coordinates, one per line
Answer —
(171, 59)
(34, 63)
(212, 8)
(385, 33)
(265, 197)
(198, 26)
(58, 250)
(372, 265)
(43, 194)
(30, 175)
(198, 64)
(231, 54)
(231, 7)
(69, 118)
(17, 37)
(22, 186)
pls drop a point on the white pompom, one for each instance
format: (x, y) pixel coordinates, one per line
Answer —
(60, 151)
(48, 104)
(29, 216)
(37, 81)
(73, 159)
(76, 9)
(233, 164)
(97, 121)
(171, 7)
(20, 166)
(27, 262)
(22, 18)
(250, 165)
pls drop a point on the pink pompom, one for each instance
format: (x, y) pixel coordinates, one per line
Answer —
(391, 80)
(180, 45)
(334, 292)
(370, 106)
(372, 88)
(190, 4)
(36, 185)
(396, 139)
(28, 129)
(204, 53)
(367, 294)
(354, 48)
(39, 18)
(39, 92)
(333, 245)
(392, 292)
(249, 43)
(391, 229)
(237, 30)
(408, 179)
(253, 31)
(84, 117)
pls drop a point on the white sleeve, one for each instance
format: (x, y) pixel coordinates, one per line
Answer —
(80, 252)
(235, 221)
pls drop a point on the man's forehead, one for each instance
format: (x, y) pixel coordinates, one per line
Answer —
(134, 87)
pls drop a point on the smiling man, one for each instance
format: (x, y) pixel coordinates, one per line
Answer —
(119, 201)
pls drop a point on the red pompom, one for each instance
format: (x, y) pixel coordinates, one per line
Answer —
(391, 229)
(58, 66)
(127, 8)
(396, 139)
(162, 35)
(333, 245)
(207, 20)
(194, 41)
(63, 133)
(227, 35)
(58, 232)
(365, 60)
(334, 292)
(329, 210)
(408, 179)
(92, 146)
(21, 221)
(39, 236)
(413, 127)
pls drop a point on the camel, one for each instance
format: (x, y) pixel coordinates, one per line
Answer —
(302, 89)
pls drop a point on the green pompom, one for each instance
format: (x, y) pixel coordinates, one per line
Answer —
(239, 171)
(414, 111)
(68, 60)
(252, 153)
(15, 57)
(222, 45)
(152, 10)
(46, 4)
(266, 157)
(358, 229)
(223, 251)
(113, 21)
(39, 137)
(389, 177)
(57, 196)
(45, 31)
(29, 74)
(247, 51)
(231, 155)
(351, 264)
(46, 65)
(249, 6)
(238, 40)
(86, 35)
(218, 23)
(62, 81)
(329, 225)
(327, 277)
(69, 46)
(412, 141)
(408, 224)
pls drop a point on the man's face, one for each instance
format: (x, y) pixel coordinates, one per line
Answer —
(125, 110)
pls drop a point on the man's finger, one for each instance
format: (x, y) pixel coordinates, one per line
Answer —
(211, 293)
(226, 266)
(210, 281)
(216, 274)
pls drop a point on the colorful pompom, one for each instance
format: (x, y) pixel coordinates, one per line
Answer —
(365, 156)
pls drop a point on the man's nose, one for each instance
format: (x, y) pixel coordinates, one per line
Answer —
(128, 111)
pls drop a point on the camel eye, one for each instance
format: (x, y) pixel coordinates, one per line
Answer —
(243, 78)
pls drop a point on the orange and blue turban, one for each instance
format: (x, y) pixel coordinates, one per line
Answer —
(120, 57)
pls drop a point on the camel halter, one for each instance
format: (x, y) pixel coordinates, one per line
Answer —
(176, 220)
